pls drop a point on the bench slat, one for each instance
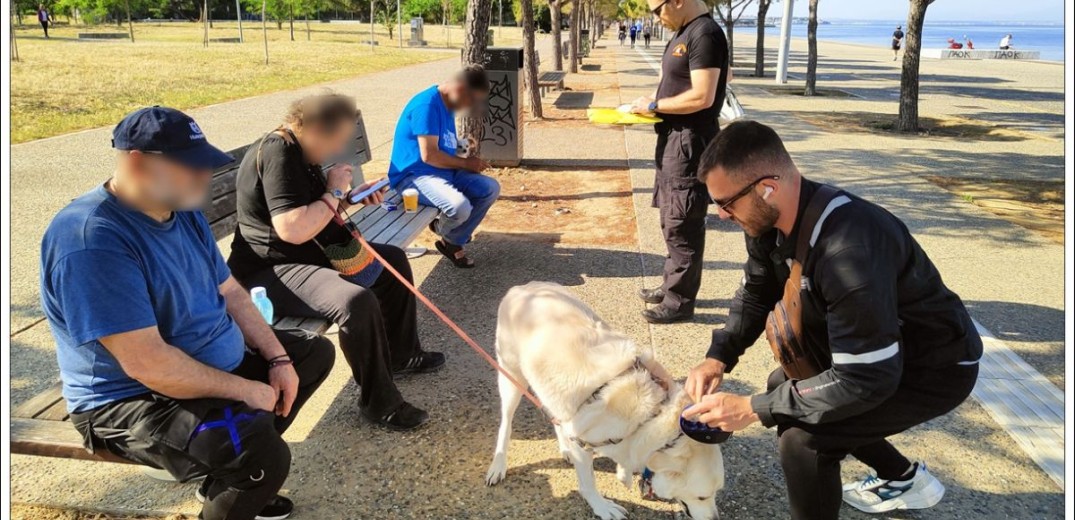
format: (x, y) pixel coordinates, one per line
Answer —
(53, 439)
(40, 402)
(406, 234)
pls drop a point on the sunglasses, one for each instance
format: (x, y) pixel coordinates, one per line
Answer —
(657, 10)
(725, 205)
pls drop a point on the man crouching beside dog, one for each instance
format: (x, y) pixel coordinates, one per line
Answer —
(879, 342)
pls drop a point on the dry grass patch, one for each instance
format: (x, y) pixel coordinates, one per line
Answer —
(64, 84)
(584, 207)
(947, 127)
(1035, 205)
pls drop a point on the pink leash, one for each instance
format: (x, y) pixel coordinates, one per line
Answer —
(440, 314)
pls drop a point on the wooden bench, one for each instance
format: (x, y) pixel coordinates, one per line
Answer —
(40, 426)
(550, 79)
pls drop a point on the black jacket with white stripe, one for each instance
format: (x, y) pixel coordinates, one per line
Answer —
(873, 299)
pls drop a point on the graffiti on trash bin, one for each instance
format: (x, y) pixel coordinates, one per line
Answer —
(499, 120)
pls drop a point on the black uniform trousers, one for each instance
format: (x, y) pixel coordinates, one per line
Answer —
(811, 453)
(683, 201)
(237, 448)
(378, 325)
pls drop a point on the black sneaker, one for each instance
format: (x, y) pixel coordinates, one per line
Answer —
(652, 296)
(405, 417)
(421, 363)
(663, 315)
(278, 508)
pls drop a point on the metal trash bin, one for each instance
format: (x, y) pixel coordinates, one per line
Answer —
(502, 128)
(417, 33)
(584, 43)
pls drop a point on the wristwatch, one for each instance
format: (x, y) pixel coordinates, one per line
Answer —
(653, 106)
(336, 193)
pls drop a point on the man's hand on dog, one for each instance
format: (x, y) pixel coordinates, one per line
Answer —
(704, 379)
(729, 412)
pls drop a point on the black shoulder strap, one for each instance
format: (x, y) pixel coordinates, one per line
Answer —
(814, 211)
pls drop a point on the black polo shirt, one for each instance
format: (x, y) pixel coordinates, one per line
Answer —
(700, 44)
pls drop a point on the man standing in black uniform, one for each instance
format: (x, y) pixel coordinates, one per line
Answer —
(897, 347)
(694, 73)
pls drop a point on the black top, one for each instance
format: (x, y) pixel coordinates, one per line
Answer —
(873, 299)
(698, 45)
(897, 36)
(287, 181)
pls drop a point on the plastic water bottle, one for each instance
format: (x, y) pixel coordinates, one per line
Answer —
(262, 302)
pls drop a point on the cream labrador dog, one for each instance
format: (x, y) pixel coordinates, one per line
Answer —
(608, 396)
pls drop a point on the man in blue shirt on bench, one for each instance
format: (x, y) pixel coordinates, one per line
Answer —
(424, 157)
(164, 359)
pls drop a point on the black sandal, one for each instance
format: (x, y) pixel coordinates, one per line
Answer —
(451, 252)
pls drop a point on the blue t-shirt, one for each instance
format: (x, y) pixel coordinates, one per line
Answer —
(425, 114)
(107, 268)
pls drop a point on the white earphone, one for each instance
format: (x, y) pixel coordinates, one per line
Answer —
(768, 191)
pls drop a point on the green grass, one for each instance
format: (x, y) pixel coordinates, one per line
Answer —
(63, 84)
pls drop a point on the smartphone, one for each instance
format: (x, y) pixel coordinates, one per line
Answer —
(357, 197)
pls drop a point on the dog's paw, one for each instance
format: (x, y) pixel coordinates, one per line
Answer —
(625, 477)
(609, 510)
(497, 470)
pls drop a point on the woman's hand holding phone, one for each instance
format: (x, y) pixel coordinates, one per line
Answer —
(374, 198)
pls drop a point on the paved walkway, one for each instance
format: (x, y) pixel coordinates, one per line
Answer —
(345, 469)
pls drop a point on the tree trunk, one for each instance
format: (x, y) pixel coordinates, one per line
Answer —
(265, 29)
(530, 58)
(291, 21)
(307, 27)
(573, 48)
(130, 25)
(475, 41)
(205, 23)
(729, 29)
(759, 44)
(557, 38)
(14, 44)
(811, 58)
(908, 118)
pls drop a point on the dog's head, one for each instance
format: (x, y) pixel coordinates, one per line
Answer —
(465, 147)
(689, 472)
(692, 474)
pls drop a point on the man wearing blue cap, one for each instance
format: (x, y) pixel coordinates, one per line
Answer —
(164, 359)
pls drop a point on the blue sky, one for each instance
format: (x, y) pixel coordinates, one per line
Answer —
(947, 10)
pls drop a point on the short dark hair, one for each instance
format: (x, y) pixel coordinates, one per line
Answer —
(474, 78)
(742, 145)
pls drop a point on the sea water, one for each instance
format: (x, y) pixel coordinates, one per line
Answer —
(1046, 38)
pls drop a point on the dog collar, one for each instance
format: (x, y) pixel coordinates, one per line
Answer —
(702, 432)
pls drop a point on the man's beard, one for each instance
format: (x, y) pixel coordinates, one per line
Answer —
(761, 219)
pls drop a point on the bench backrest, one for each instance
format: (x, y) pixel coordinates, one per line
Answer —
(220, 209)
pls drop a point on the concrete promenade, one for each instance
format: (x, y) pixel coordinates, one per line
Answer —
(1010, 278)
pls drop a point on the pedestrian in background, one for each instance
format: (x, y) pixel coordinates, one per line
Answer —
(44, 18)
(897, 42)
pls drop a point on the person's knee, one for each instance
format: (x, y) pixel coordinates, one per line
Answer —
(360, 305)
(458, 210)
(491, 190)
(795, 446)
(243, 451)
(776, 378)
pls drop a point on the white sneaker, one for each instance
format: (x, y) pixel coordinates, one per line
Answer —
(874, 495)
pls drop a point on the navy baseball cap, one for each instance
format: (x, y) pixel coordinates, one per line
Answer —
(168, 132)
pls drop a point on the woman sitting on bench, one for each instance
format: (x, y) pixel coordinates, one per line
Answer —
(288, 241)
